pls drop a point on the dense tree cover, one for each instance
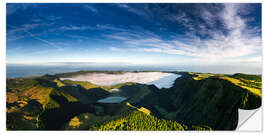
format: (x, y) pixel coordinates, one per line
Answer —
(245, 84)
(251, 101)
(210, 101)
(102, 113)
(39, 104)
(19, 85)
(24, 118)
(257, 78)
(135, 92)
(16, 121)
(251, 84)
(48, 103)
(139, 121)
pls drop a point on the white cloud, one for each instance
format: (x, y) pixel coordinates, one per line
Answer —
(23, 28)
(109, 27)
(78, 37)
(73, 27)
(115, 49)
(239, 41)
(91, 8)
(133, 10)
(54, 18)
(14, 8)
(20, 32)
(96, 27)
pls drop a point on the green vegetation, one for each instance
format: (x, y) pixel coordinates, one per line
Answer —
(84, 84)
(201, 128)
(59, 83)
(212, 100)
(35, 95)
(200, 76)
(251, 83)
(256, 78)
(135, 92)
(197, 101)
(248, 85)
(88, 85)
(103, 114)
(138, 121)
(164, 113)
(251, 101)
(130, 118)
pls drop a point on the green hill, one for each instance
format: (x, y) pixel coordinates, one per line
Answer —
(195, 102)
(210, 100)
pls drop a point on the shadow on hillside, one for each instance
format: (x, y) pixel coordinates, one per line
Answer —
(54, 119)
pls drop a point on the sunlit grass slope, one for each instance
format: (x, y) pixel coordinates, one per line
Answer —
(251, 83)
(197, 101)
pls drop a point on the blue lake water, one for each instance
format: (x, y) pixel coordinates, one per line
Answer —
(114, 99)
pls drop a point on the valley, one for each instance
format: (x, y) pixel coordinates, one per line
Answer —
(170, 101)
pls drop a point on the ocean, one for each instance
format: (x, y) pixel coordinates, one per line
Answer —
(27, 70)
(14, 71)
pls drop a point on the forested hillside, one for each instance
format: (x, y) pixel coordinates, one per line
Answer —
(195, 102)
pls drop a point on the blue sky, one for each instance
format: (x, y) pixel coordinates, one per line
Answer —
(135, 34)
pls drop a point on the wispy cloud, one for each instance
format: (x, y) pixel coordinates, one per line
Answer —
(26, 29)
(239, 41)
(17, 8)
(133, 10)
(14, 33)
(91, 8)
(18, 32)
(109, 27)
(202, 33)
(78, 37)
(54, 18)
(95, 27)
(116, 49)
(73, 27)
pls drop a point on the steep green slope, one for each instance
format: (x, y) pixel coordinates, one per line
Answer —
(135, 92)
(129, 118)
(195, 102)
(211, 101)
(53, 105)
(55, 102)
(256, 78)
(138, 121)
(88, 85)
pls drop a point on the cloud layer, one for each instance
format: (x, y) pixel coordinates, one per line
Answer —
(239, 40)
(146, 33)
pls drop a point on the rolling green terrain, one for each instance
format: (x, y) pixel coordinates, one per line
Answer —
(197, 101)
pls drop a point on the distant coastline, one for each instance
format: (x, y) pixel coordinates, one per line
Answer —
(18, 71)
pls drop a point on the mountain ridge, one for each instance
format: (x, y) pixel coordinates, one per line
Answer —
(53, 98)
